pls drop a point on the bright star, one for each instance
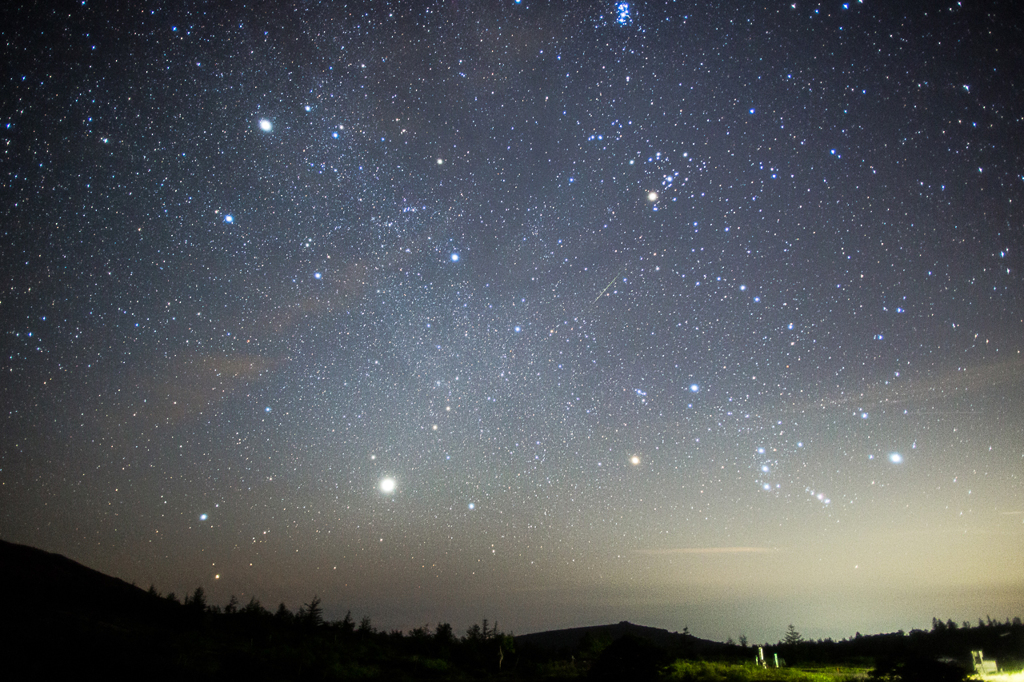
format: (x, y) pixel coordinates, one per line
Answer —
(455, 258)
(895, 458)
(203, 517)
(694, 388)
(652, 196)
(229, 218)
(387, 485)
(634, 460)
(265, 125)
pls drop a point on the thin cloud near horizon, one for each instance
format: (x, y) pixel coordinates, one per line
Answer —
(709, 550)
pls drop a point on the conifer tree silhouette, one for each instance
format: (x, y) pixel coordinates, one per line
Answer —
(197, 602)
(314, 614)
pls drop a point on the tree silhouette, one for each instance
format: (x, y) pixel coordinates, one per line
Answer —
(506, 645)
(420, 633)
(792, 636)
(197, 602)
(443, 634)
(347, 625)
(314, 615)
(255, 608)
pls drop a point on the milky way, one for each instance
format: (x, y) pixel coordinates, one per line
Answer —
(550, 313)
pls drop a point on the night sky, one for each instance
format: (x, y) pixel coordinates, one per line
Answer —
(700, 315)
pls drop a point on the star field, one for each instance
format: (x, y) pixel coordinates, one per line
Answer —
(552, 313)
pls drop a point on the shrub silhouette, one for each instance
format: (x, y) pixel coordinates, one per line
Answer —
(919, 670)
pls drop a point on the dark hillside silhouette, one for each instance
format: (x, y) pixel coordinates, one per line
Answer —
(61, 618)
(52, 583)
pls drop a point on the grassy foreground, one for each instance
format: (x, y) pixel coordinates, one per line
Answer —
(704, 671)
